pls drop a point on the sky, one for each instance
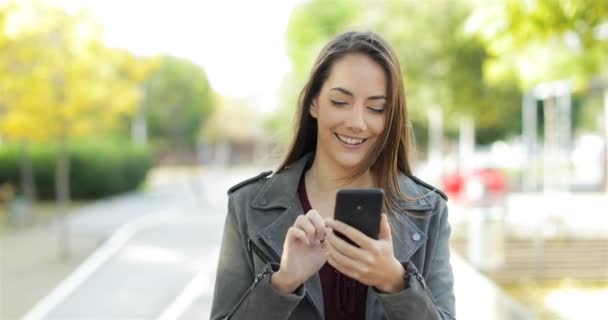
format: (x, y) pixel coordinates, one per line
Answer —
(239, 43)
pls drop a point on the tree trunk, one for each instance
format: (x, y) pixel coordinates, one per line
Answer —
(139, 125)
(62, 174)
(28, 183)
(62, 193)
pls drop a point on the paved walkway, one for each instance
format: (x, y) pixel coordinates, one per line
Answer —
(30, 262)
(30, 266)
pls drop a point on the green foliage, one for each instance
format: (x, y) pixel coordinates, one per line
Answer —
(312, 24)
(57, 79)
(177, 102)
(98, 168)
(544, 40)
(587, 112)
(442, 64)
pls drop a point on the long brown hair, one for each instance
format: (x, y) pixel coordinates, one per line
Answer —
(391, 154)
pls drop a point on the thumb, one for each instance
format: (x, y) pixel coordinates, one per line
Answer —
(385, 228)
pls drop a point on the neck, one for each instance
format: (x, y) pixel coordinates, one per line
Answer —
(326, 178)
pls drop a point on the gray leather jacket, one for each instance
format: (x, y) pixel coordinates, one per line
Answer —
(261, 209)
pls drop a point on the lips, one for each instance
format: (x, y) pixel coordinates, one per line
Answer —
(350, 140)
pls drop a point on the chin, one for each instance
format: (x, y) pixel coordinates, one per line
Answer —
(349, 161)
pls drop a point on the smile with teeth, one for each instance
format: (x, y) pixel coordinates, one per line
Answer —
(349, 140)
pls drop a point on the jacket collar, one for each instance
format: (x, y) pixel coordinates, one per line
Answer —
(281, 190)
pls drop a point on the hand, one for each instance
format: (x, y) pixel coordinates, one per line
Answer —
(373, 263)
(304, 252)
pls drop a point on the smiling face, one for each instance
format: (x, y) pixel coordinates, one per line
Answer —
(342, 99)
(350, 110)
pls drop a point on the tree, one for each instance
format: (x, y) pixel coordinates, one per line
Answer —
(177, 103)
(59, 81)
(442, 64)
(544, 40)
(234, 120)
(311, 25)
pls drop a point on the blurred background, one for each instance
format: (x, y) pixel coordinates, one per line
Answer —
(123, 123)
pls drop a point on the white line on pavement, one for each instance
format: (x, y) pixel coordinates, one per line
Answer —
(200, 284)
(93, 262)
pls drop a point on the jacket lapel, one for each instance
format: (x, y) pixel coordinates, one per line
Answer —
(280, 195)
(407, 237)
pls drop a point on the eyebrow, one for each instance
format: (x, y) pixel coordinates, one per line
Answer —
(346, 92)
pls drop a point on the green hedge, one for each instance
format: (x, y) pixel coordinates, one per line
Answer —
(97, 168)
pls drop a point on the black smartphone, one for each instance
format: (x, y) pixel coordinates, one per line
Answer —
(361, 209)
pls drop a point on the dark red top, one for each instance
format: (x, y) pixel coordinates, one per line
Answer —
(343, 297)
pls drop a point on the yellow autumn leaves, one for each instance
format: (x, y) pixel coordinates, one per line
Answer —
(57, 79)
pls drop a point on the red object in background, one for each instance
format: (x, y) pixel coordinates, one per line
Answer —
(494, 182)
(453, 185)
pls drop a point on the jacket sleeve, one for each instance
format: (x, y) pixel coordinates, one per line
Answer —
(239, 292)
(430, 297)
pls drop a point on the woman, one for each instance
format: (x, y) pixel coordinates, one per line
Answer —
(280, 258)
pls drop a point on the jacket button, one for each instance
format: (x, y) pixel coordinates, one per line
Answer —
(416, 237)
(263, 201)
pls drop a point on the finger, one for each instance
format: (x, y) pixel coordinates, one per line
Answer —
(353, 234)
(303, 223)
(327, 221)
(348, 249)
(342, 269)
(385, 228)
(316, 219)
(346, 265)
(299, 234)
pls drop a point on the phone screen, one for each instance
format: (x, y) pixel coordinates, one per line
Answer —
(361, 209)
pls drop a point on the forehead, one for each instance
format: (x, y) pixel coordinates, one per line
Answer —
(359, 74)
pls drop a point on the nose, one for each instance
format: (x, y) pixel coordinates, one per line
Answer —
(355, 120)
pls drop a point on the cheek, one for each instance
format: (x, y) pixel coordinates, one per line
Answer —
(329, 117)
(378, 125)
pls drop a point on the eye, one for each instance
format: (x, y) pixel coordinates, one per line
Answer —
(338, 103)
(376, 110)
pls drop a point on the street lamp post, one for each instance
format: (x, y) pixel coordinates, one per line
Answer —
(557, 105)
(530, 138)
(435, 154)
(606, 140)
(139, 127)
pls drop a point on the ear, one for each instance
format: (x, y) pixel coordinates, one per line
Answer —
(314, 108)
